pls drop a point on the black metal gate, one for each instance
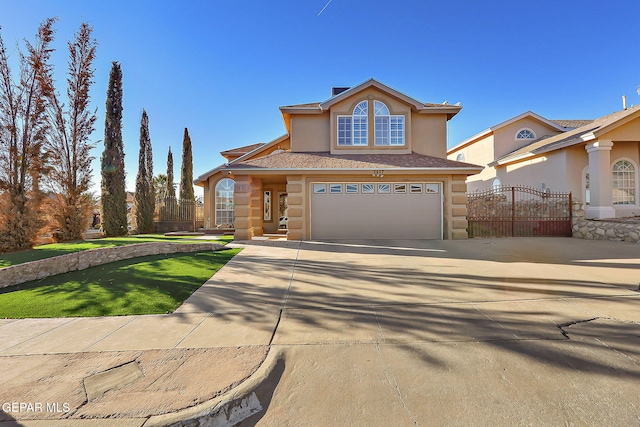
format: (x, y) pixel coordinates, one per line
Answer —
(518, 212)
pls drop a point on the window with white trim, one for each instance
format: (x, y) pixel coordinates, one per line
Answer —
(525, 134)
(624, 183)
(353, 130)
(586, 186)
(224, 202)
(389, 129)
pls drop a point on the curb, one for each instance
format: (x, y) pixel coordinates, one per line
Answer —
(227, 409)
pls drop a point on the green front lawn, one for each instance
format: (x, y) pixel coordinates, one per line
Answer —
(145, 285)
(55, 249)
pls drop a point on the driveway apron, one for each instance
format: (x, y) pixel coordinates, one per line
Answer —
(502, 332)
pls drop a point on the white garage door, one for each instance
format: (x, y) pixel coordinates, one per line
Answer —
(376, 211)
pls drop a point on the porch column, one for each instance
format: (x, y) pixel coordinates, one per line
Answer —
(600, 181)
(295, 211)
(256, 207)
(455, 210)
(242, 208)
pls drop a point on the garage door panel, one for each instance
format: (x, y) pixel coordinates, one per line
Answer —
(376, 216)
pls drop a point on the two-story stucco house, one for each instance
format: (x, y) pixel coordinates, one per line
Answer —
(368, 163)
(596, 160)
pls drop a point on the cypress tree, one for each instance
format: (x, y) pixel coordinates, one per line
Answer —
(114, 197)
(186, 175)
(171, 190)
(145, 193)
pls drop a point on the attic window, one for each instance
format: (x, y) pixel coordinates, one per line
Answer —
(525, 134)
(352, 130)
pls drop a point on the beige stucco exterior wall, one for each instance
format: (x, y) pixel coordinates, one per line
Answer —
(207, 205)
(505, 137)
(628, 132)
(429, 134)
(577, 160)
(310, 133)
(479, 153)
(550, 170)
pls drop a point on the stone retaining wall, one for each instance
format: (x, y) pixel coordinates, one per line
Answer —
(604, 230)
(40, 269)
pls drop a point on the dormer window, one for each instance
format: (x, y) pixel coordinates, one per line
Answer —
(525, 134)
(352, 130)
(389, 129)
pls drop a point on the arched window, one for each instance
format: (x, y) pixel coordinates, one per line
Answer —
(224, 203)
(389, 128)
(525, 134)
(460, 157)
(352, 130)
(624, 183)
(496, 184)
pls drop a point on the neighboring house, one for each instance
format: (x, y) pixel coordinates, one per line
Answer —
(596, 160)
(368, 163)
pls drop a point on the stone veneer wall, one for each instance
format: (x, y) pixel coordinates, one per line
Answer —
(605, 230)
(40, 269)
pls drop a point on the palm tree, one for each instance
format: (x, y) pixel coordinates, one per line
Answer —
(160, 184)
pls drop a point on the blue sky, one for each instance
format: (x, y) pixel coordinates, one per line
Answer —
(222, 69)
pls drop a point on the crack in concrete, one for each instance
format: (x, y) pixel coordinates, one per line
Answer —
(286, 295)
(574, 322)
(395, 382)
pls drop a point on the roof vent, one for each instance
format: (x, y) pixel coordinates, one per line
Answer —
(338, 90)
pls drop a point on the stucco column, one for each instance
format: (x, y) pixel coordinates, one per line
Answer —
(295, 211)
(256, 207)
(242, 208)
(600, 181)
(455, 212)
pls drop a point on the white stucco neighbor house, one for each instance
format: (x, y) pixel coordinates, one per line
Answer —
(596, 160)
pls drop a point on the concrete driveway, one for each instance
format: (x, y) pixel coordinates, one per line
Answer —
(480, 332)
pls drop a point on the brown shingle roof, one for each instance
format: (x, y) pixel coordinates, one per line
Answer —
(325, 160)
(242, 150)
(308, 105)
(572, 124)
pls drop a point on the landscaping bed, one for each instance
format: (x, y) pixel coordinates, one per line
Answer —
(154, 284)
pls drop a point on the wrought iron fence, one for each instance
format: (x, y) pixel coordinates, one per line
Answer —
(519, 211)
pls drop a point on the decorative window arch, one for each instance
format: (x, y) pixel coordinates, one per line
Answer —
(353, 129)
(224, 203)
(389, 128)
(496, 184)
(525, 134)
(460, 157)
(623, 174)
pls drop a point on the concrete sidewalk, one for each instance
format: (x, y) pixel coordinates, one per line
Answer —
(125, 370)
